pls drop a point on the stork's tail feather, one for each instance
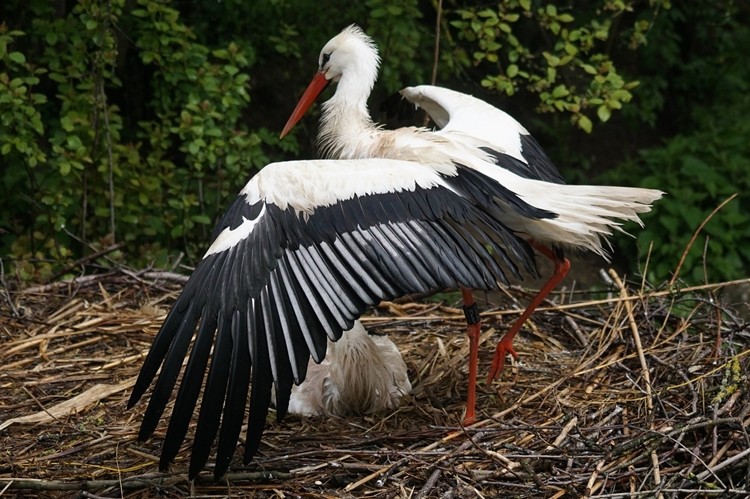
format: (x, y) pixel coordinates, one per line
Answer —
(588, 214)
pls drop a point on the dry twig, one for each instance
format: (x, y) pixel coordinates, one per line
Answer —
(641, 410)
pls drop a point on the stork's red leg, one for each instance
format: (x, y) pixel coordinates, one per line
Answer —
(562, 266)
(473, 326)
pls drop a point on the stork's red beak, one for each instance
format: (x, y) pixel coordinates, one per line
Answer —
(316, 86)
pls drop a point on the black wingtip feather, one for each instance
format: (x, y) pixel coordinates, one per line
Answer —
(234, 407)
(168, 375)
(156, 354)
(213, 396)
(260, 395)
(187, 396)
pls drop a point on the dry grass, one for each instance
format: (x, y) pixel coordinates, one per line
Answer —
(640, 394)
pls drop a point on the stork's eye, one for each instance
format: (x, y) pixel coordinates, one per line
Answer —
(324, 60)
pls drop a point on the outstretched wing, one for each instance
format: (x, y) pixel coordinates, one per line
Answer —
(299, 255)
(507, 141)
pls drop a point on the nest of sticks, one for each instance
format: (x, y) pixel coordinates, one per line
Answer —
(631, 392)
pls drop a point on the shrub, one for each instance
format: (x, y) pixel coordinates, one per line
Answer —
(698, 86)
(560, 54)
(698, 171)
(89, 170)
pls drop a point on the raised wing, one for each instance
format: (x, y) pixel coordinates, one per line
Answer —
(300, 254)
(506, 140)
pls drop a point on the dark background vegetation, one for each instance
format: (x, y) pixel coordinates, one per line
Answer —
(127, 125)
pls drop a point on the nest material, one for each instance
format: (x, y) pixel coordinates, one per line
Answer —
(638, 394)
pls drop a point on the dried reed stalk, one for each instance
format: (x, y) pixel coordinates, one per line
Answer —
(616, 397)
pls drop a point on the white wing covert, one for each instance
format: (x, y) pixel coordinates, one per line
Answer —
(468, 119)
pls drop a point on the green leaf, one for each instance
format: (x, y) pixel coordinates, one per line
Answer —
(552, 59)
(560, 91)
(36, 124)
(585, 123)
(74, 142)
(588, 68)
(17, 57)
(604, 113)
(201, 219)
(66, 123)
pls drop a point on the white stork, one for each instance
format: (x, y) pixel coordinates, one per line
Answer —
(479, 136)
(361, 374)
(305, 248)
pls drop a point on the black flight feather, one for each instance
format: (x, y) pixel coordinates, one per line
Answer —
(276, 291)
(239, 383)
(213, 395)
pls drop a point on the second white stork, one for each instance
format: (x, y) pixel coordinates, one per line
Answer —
(300, 254)
(484, 139)
(361, 374)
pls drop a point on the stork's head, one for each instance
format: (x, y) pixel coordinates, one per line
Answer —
(350, 59)
(350, 53)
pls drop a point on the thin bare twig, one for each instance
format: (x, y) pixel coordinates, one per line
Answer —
(436, 55)
(695, 236)
(555, 424)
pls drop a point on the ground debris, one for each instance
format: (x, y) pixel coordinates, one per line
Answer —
(634, 392)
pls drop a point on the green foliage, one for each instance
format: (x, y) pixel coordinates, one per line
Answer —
(132, 127)
(86, 177)
(698, 171)
(396, 28)
(709, 159)
(573, 72)
(134, 122)
(19, 114)
(199, 97)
